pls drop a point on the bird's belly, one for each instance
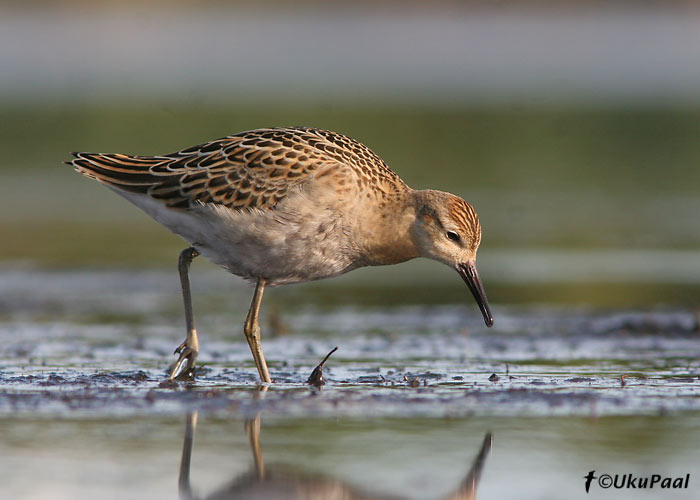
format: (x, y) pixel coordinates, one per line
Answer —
(279, 266)
(253, 245)
(256, 244)
(279, 262)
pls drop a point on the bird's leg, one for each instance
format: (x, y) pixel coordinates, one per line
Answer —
(189, 349)
(251, 329)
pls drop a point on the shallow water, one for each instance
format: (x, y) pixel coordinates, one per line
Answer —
(544, 457)
(409, 399)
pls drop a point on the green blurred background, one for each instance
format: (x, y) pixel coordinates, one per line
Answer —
(574, 132)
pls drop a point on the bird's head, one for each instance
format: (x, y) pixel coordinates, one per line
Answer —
(447, 229)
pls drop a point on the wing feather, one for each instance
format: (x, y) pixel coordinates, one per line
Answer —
(254, 169)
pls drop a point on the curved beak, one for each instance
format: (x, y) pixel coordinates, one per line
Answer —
(471, 278)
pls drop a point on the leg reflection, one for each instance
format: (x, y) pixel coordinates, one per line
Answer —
(183, 482)
(252, 427)
(290, 483)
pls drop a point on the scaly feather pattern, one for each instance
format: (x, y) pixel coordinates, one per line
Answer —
(253, 169)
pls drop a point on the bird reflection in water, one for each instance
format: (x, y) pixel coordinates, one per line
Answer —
(285, 484)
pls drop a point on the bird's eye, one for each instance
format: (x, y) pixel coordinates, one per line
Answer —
(453, 236)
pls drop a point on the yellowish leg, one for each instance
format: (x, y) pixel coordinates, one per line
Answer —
(189, 349)
(251, 328)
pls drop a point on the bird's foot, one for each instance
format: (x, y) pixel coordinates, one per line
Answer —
(188, 355)
(179, 348)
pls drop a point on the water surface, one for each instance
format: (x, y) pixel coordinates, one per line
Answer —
(411, 394)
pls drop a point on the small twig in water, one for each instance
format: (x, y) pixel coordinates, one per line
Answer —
(316, 377)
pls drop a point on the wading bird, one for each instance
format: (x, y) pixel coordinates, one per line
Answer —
(288, 205)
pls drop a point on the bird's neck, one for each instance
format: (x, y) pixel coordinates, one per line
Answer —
(387, 231)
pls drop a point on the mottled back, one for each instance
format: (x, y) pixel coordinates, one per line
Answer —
(254, 169)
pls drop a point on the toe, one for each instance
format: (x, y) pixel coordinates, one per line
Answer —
(179, 348)
(189, 357)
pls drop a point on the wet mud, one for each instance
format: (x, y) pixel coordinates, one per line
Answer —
(68, 349)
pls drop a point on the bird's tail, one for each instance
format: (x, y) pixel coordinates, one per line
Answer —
(129, 173)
